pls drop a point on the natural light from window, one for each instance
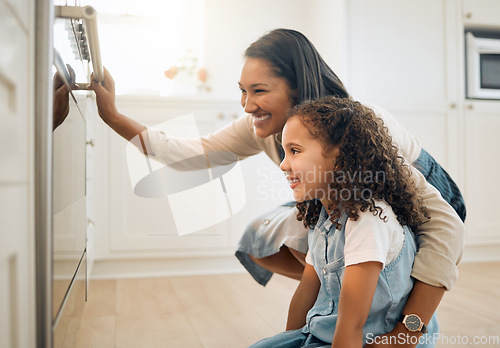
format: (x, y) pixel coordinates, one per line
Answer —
(149, 45)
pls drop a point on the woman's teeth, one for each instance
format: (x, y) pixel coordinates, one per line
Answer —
(292, 181)
(262, 118)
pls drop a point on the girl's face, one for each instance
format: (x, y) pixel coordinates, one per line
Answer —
(264, 96)
(308, 172)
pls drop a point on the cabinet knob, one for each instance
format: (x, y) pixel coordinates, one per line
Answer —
(468, 15)
(90, 142)
(470, 106)
(220, 116)
(453, 106)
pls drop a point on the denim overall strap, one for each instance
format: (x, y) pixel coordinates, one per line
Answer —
(326, 245)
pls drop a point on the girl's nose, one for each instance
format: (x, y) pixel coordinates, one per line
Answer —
(284, 165)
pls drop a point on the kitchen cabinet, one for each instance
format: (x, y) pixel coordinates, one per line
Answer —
(481, 14)
(14, 70)
(17, 275)
(409, 58)
(394, 56)
(482, 165)
(402, 65)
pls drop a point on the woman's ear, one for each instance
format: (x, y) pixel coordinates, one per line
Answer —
(294, 95)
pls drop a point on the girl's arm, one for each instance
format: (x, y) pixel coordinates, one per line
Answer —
(303, 299)
(356, 296)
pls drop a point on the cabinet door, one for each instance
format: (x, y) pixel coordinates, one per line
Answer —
(144, 222)
(481, 14)
(23, 10)
(403, 56)
(397, 51)
(14, 94)
(16, 322)
(17, 285)
(482, 165)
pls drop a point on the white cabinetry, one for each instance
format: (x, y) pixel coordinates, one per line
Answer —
(399, 59)
(17, 319)
(481, 13)
(409, 58)
(397, 51)
(142, 234)
(482, 165)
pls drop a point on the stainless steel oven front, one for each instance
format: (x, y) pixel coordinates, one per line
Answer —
(71, 46)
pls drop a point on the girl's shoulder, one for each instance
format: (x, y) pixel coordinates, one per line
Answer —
(374, 236)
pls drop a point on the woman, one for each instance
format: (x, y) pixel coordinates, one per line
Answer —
(282, 69)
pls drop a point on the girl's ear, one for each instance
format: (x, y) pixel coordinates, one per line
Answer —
(333, 153)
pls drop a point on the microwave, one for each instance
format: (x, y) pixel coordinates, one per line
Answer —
(482, 67)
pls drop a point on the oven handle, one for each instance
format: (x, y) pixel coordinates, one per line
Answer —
(89, 15)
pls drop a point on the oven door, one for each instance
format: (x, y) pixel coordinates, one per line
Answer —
(70, 71)
(483, 67)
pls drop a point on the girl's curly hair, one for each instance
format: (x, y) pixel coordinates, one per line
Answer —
(368, 166)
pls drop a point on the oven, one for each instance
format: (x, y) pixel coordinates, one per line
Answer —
(72, 48)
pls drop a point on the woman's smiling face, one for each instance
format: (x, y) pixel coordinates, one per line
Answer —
(265, 96)
(308, 171)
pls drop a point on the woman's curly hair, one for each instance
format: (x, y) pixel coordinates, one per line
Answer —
(368, 166)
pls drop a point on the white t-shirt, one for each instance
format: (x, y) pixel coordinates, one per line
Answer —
(371, 239)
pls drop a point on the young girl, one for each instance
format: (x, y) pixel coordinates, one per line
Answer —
(357, 197)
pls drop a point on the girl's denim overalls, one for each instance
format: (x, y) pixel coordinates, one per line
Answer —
(326, 246)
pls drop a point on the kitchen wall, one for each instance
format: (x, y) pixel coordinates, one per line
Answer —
(232, 25)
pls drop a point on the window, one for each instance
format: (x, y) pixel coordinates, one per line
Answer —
(141, 39)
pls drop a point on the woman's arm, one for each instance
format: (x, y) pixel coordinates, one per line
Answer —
(440, 241)
(121, 124)
(423, 301)
(440, 244)
(106, 106)
(356, 296)
(303, 299)
(236, 139)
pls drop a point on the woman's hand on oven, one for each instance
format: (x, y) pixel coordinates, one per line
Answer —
(105, 96)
